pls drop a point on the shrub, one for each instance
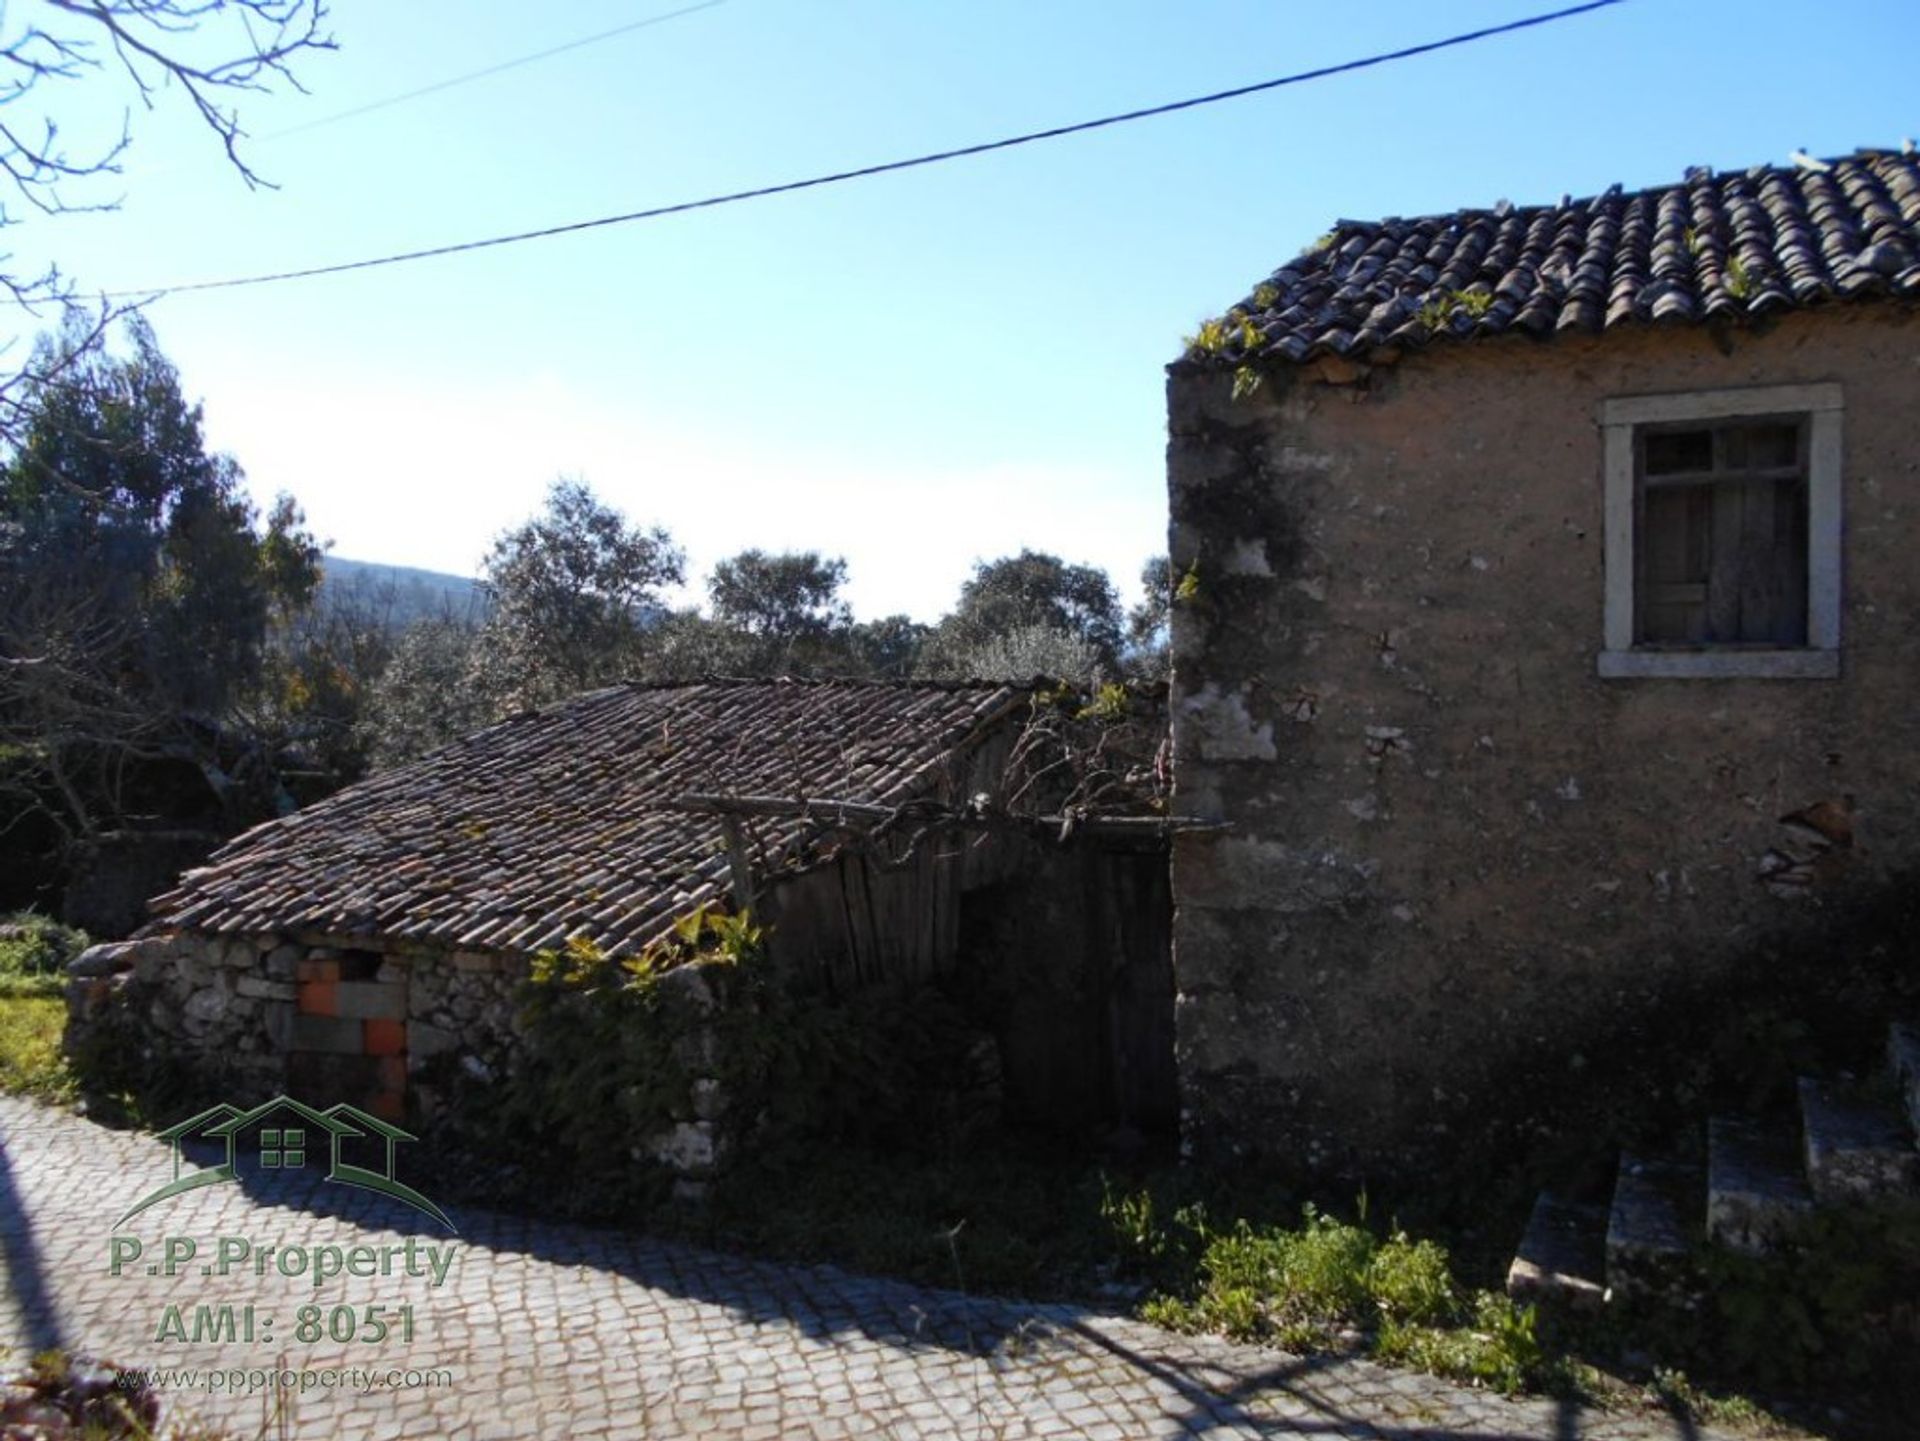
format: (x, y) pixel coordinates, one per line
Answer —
(1495, 1346)
(34, 951)
(1412, 1282)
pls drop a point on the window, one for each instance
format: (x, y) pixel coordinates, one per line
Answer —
(1723, 533)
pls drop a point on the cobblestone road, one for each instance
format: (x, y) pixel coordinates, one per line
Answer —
(537, 1330)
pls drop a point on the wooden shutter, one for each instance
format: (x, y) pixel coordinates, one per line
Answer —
(1722, 543)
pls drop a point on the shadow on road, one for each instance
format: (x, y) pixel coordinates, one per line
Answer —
(26, 1278)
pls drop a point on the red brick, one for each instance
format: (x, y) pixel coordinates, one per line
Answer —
(389, 1106)
(318, 970)
(393, 1074)
(319, 998)
(386, 1038)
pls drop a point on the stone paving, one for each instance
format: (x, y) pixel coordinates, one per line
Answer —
(534, 1330)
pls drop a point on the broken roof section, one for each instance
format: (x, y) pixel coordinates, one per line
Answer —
(564, 822)
(1733, 246)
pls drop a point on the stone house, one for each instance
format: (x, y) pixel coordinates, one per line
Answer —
(352, 951)
(1545, 635)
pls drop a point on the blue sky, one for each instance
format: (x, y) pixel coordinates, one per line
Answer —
(916, 371)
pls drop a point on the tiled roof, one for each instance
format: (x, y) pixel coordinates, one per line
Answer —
(554, 823)
(1735, 245)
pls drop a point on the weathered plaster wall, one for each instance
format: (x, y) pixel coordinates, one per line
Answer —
(1454, 847)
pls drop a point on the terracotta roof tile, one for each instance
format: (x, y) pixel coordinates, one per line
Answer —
(1711, 247)
(553, 824)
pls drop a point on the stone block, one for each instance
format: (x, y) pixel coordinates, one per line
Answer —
(1653, 1230)
(319, 998)
(371, 1001)
(239, 955)
(153, 963)
(283, 963)
(698, 1051)
(204, 1007)
(319, 968)
(689, 1147)
(1855, 1150)
(708, 1097)
(103, 960)
(1562, 1256)
(1903, 1058)
(424, 1040)
(476, 961)
(328, 1034)
(1757, 1196)
(690, 985)
(261, 989)
(276, 1018)
(385, 1037)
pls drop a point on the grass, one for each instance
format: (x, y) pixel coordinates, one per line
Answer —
(31, 1062)
(1326, 1284)
(34, 952)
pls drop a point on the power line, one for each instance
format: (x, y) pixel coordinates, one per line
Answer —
(501, 68)
(885, 168)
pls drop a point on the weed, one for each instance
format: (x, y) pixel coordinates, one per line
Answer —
(1325, 1283)
(1219, 334)
(1412, 1283)
(31, 1061)
(1443, 305)
(1109, 703)
(34, 950)
(1494, 1346)
(1672, 1391)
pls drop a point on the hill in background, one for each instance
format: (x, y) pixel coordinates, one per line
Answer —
(401, 594)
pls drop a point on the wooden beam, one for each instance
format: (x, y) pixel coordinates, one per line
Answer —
(810, 808)
(740, 864)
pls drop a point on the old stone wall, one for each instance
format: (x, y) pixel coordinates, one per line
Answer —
(1455, 848)
(399, 1033)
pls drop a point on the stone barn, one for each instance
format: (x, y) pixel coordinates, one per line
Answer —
(339, 953)
(1544, 634)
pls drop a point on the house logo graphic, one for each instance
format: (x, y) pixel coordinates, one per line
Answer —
(287, 1131)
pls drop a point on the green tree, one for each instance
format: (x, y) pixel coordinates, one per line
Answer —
(1148, 654)
(888, 648)
(425, 695)
(788, 607)
(138, 588)
(573, 592)
(1067, 612)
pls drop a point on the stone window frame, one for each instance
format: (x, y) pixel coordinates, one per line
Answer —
(1816, 406)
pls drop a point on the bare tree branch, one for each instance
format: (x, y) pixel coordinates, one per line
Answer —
(210, 51)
